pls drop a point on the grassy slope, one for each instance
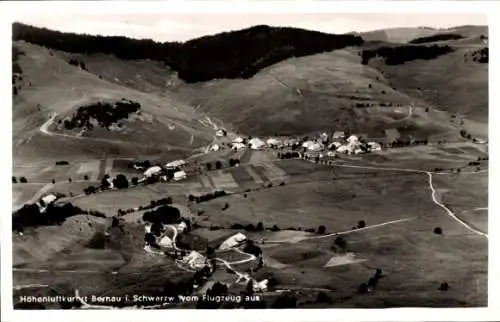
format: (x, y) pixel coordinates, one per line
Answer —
(60, 88)
(302, 95)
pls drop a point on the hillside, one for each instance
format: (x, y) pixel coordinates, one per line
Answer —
(48, 86)
(299, 95)
(234, 54)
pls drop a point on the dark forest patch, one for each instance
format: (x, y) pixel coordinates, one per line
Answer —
(236, 54)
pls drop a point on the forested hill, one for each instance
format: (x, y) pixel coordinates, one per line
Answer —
(236, 54)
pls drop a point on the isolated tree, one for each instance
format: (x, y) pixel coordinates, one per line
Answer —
(85, 177)
(321, 230)
(363, 288)
(14, 179)
(209, 166)
(340, 242)
(361, 224)
(438, 230)
(53, 181)
(443, 287)
(69, 180)
(259, 226)
(218, 165)
(120, 182)
(23, 180)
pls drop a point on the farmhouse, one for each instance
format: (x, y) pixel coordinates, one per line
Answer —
(273, 142)
(233, 241)
(154, 170)
(220, 132)
(180, 175)
(238, 146)
(194, 260)
(313, 146)
(48, 199)
(374, 146)
(260, 286)
(239, 139)
(256, 144)
(175, 164)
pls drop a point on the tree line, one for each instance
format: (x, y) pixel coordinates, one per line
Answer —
(396, 55)
(235, 54)
(433, 38)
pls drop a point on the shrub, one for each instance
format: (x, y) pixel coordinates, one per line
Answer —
(275, 228)
(443, 287)
(340, 242)
(438, 230)
(259, 227)
(226, 206)
(237, 226)
(363, 288)
(85, 177)
(23, 180)
(69, 180)
(218, 165)
(120, 182)
(135, 181)
(250, 227)
(14, 179)
(361, 224)
(208, 166)
(62, 162)
(310, 230)
(321, 230)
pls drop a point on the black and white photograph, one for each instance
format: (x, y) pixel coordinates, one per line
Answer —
(248, 160)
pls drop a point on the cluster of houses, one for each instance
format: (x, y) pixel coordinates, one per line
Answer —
(160, 172)
(338, 142)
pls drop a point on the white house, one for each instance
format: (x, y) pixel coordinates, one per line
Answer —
(353, 139)
(181, 227)
(331, 154)
(147, 228)
(260, 286)
(256, 144)
(166, 242)
(273, 141)
(313, 146)
(374, 146)
(233, 241)
(48, 199)
(343, 149)
(175, 164)
(238, 146)
(180, 175)
(194, 260)
(220, 132)
(154, 170)
(239, 139)
(214, 148)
